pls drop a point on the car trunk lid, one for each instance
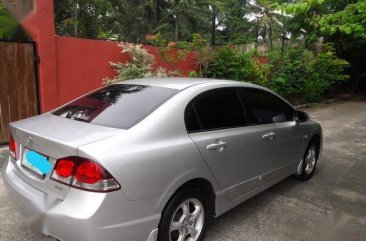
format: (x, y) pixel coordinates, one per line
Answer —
(52, 137)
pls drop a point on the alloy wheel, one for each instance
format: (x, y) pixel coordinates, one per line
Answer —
(310, 160)
(187, 221)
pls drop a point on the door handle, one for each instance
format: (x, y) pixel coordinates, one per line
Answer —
(217, 146)
(270, 136)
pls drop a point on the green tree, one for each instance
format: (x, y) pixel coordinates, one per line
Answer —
(8, 24)
(269, 22)
(237, 29)
(340, 22)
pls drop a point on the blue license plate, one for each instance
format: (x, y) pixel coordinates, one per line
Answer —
(36, 163)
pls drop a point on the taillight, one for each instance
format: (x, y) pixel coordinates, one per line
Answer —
(12, 147)
(84, 174)
(88, 172)
(63, 171)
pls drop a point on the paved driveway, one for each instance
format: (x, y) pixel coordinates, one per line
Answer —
(332, 204)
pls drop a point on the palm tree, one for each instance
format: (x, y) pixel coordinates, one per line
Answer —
(268, 22)
(187, 12)
(179, 8)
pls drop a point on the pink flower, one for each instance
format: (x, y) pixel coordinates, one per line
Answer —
(150, 37)
(171, 44)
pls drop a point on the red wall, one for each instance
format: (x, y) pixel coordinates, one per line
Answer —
(70, 67)
(83, 63)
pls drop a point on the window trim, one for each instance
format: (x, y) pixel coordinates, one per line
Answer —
(242, 102)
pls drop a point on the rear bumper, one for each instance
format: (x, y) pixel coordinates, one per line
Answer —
(83, 215)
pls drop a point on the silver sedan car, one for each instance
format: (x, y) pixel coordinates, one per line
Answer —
(155, 159)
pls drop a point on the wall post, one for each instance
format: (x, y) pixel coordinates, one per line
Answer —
(40, 26)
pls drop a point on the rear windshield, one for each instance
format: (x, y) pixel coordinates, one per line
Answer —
(118, 106)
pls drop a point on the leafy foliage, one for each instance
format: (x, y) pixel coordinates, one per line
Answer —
(8, 24)
(140, 66)
(237, 29)
(348, 20)
(131, 20)
(351, 20)
(301, 75)
(172, 52)
(114, 19)
(288, 72)
(235, 65)
(342, 23)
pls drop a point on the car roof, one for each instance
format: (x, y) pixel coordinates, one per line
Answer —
(180, 83)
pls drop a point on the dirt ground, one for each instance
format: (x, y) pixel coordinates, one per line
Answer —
(331, 206)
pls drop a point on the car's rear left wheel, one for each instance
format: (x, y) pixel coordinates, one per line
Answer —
(185, 217)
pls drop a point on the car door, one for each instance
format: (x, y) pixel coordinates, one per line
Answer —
(233, 151)
(285, 135)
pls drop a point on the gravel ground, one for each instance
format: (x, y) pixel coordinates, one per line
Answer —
(331, 206)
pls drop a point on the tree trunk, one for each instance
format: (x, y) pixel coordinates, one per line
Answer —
(283, 43)
(213, 27)
(76, 17)
(270, 33)
(157, 12)
(256, 35)
(176, 27)
(355, 84)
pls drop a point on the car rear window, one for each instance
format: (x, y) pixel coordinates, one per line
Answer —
(119, 106)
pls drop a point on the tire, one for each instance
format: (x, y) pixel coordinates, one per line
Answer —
(177, 222)
(310, 159)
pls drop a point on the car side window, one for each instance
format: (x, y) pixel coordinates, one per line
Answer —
(263, 107)
(217, 109)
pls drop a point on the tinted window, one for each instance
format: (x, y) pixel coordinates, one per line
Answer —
(191, 119)
(119, 106)
(264, 108)
(219, 108)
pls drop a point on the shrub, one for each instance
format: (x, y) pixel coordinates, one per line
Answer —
(181, 48)
(298, 74)
(193, 74)
(288, 73)
(302, 76)
(140, 66)
(235, 65)
(205, 57)
(325, 74)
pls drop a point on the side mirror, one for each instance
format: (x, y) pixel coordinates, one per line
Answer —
(279, 118)
(301, 116)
